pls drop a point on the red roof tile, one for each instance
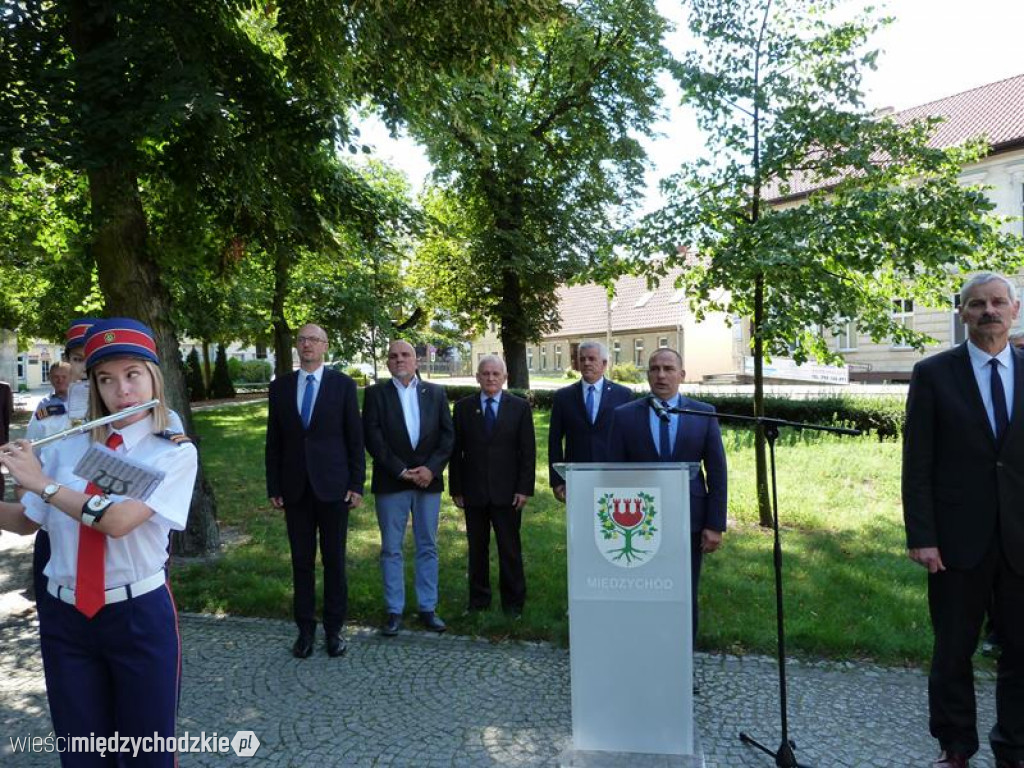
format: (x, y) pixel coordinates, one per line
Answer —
(584, 308)
(994, 111)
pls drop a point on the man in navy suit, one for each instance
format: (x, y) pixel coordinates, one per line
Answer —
(963, 508)
(581, 414)
(642, 434)
(315, 472)
(409, 435)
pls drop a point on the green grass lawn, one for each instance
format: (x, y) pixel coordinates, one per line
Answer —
(851, 592)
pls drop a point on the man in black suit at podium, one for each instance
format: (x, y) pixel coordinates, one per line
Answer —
(642, 433)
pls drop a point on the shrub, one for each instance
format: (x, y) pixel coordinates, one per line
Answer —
(221, 386)
(250, 371)
(629, 373)
(357, 375)
(881, 416)
(572, 374)
(194, 377)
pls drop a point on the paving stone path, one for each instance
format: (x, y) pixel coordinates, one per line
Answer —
(422, 700)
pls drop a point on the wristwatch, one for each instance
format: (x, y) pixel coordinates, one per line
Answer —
(50, 491)
(94, 508)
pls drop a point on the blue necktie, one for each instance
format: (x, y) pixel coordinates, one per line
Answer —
(998, 400)
(307, 400)
(590, 404)
(664, 445)
(490, 417)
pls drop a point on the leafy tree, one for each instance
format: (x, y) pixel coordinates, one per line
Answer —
(210, 96)
(221, 386)
(537, 160)
(776, 85)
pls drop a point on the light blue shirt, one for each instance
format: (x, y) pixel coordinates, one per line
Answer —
(483, 403)
(409, 398)
(598, 388)
(673, 425)
(983, 375)
(301, 389)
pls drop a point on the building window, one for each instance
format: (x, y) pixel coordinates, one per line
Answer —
(958, 334)
(846, 339)
(643, 299)
(678, 296)
(529, 358)
(903, 314)
(544, 357)
(638, 353)
(616, 353)
(663, 342)
(558, 357)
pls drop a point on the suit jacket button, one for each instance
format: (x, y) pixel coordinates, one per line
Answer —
(999, 464)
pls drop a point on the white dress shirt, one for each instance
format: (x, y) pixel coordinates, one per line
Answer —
(141, 552)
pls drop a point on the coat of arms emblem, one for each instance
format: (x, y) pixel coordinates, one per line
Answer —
(626, 525)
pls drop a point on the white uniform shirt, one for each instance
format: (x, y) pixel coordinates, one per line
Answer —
(48, 425)
(143, 551)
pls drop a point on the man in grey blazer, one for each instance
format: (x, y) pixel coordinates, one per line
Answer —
(963, 507)
(408, 431)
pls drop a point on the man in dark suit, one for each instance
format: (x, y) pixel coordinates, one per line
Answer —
(316, 467)
(581, 414)
(642, 434)
(491, 476)
(6, 411)
(963, 506)
(409, 435)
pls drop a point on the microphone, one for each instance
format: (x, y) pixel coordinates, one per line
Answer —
(658, 408)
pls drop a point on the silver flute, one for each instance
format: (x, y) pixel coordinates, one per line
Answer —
(87, 425)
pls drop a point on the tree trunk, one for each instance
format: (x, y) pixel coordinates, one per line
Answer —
(764, 506)
(207, 373)
(512, 342)
(282, 333)
(129, 276)
(130, 281)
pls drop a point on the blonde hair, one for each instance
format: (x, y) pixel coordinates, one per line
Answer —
(97, 409)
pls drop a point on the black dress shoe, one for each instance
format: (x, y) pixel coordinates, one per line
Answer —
(303, 647)
(430, 620)
(513, 611)
(392, 625)
(336, 646)
(1007, 763)
(951, 760)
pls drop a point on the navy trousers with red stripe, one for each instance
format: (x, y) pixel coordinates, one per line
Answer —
(117, 672)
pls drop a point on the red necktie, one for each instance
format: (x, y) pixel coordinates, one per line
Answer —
(90, 580)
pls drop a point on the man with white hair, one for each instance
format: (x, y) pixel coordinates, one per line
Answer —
(491, 477)
(581, 414)
(963, 508)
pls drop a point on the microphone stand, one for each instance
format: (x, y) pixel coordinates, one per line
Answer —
(784, 757)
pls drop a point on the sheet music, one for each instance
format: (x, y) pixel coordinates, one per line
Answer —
(117, 474)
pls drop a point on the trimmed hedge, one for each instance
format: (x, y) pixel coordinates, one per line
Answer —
(881, 416)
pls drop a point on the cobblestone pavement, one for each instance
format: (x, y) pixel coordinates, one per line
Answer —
(423, 700)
